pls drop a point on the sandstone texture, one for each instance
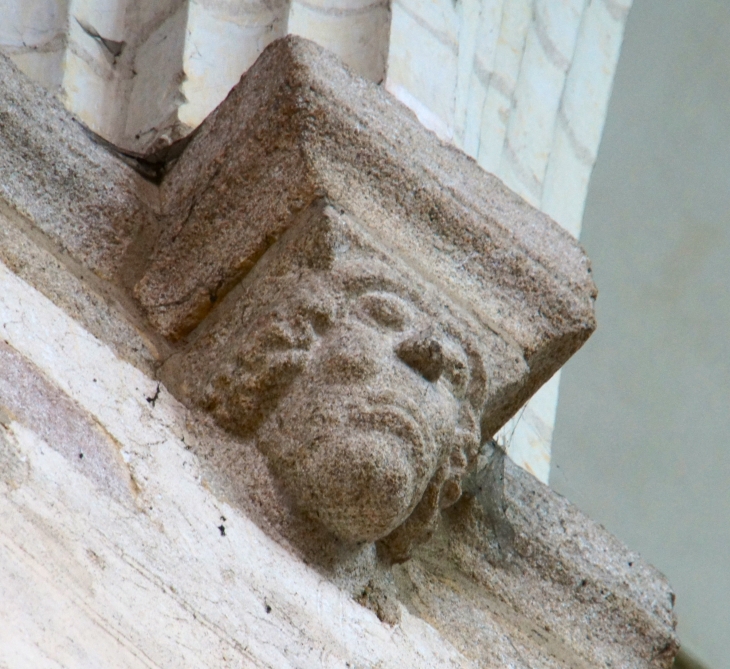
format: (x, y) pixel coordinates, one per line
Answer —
(88, 202)
(329, 313)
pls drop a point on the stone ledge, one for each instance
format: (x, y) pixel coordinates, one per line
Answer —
(565, 587)
(86, 200)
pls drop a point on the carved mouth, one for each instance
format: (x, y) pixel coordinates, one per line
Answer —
(403, 419)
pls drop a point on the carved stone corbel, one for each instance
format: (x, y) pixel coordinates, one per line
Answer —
(326, 278)
(360, 299)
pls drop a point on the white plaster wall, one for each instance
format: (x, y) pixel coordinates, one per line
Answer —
(153, 95)
(117, 64)
(33, 32)
(577, 130)
(223, 39)
(124, 68)
(641, 441)
(92, 86)
(356, 30)
(521, 86)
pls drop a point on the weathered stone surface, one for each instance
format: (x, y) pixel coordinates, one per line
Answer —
(27, 397)
(569, 593)
(85, 199)
(392, 321)
(73, 287)
(515, 576)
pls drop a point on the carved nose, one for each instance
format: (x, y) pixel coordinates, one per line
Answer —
(424, 354)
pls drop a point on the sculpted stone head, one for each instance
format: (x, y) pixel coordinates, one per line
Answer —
(370, 346)
(362, 382)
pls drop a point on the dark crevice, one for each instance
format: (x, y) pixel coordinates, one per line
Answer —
(154, 165)
(112, 46)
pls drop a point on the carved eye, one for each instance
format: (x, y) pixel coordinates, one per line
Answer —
(434, 358)
(320, 316)
(386, 309)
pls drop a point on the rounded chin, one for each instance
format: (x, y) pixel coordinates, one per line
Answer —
(360, 487)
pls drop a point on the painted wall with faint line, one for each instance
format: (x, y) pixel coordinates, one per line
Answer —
(520, 85)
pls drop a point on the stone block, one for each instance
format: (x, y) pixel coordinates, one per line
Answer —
(91, 204)
(300, 128)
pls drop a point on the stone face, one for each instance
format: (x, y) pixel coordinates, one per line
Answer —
(360, 380)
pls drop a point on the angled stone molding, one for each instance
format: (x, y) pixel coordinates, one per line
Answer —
(92, 205)
(553, 587)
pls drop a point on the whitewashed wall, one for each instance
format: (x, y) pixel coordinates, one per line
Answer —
(34, 33)
(520, 85)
